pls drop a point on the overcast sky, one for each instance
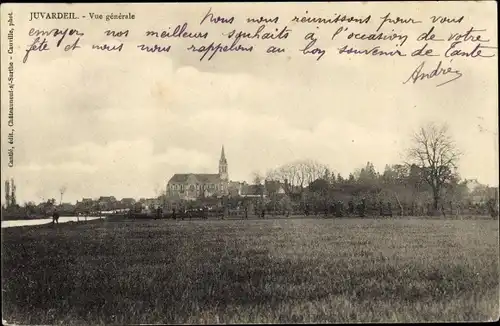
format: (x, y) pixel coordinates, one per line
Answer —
(121, 124)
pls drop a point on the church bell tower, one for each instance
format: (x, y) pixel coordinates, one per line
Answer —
(223, 166)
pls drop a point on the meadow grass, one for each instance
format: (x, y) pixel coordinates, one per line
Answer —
(254, 271)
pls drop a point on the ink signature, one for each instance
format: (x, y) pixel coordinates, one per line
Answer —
(438, 71)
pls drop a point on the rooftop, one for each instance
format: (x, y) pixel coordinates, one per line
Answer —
(202, 177)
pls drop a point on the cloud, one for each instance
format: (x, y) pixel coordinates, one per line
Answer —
(73, 167)
(109, 126)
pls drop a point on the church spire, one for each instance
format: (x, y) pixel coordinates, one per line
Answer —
(222, 155)
(223, 167)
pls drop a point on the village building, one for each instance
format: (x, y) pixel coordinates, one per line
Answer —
(107, 203)
(191, 186)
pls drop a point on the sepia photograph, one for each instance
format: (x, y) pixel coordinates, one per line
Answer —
(244, 163)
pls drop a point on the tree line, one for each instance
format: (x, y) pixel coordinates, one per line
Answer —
(427, 182)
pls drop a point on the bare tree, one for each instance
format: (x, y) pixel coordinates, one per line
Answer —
(257, 177)
(288, 172)
(299, 173)
(435, 153)
(313, 170)
(62, 190)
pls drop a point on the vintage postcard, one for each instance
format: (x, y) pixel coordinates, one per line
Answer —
(234, 163)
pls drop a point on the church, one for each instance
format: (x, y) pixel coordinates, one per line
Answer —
(190, 186)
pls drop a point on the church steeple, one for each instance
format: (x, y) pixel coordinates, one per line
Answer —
(223, 166)
(222, 155)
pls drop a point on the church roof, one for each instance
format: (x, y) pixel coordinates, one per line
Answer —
(201, 177)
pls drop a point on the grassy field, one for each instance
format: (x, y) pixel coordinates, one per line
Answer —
(255, 271)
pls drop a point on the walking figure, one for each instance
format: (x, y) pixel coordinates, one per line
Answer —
(443, 210)
(173, 213)
(55, 217)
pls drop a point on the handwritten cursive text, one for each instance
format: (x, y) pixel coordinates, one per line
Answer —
(439, 70)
